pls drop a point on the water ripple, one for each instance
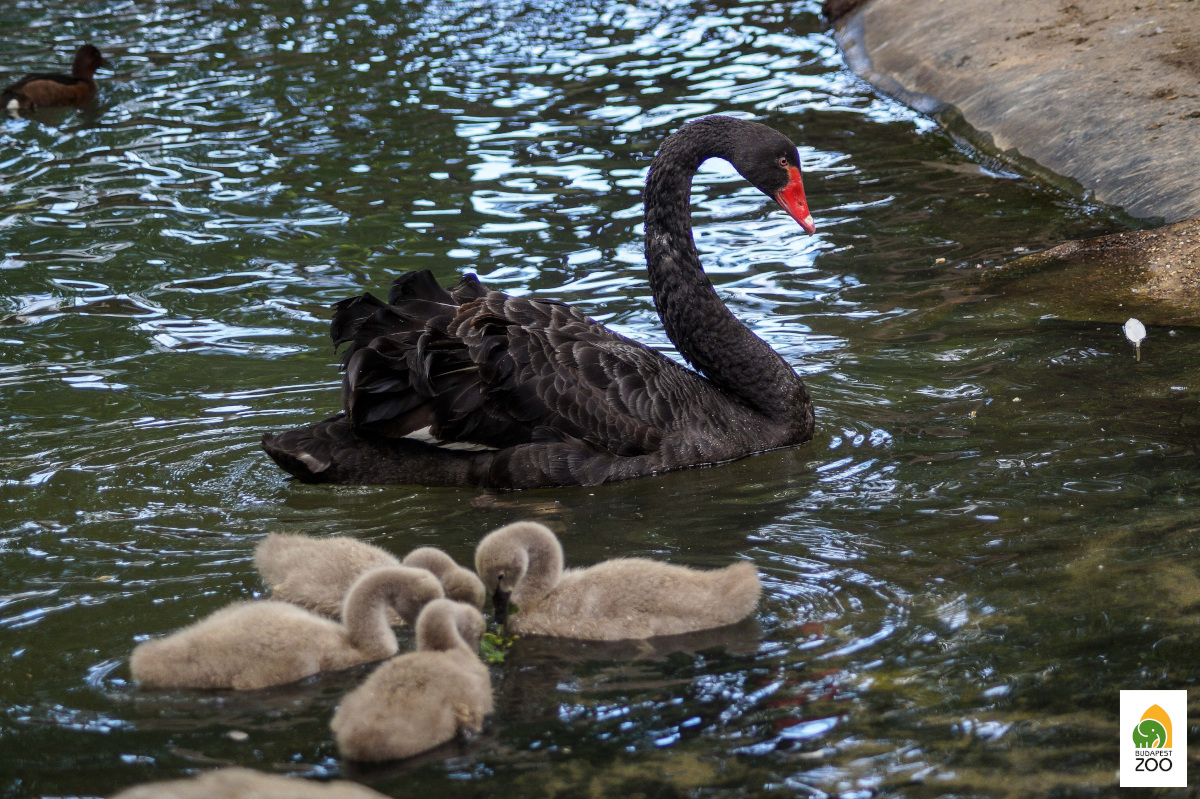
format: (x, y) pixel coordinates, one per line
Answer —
(169, 261)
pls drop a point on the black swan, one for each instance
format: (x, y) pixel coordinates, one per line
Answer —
(472, 387)
(47, 89)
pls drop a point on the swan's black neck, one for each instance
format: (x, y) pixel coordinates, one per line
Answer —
(705, 332)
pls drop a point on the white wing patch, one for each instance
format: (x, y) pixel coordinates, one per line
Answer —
(425, 436)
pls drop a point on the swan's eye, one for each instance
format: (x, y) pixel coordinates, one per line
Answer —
(783, 161)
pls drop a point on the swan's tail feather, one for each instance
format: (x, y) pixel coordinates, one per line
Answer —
(419, 286)
(304, 453)
(359, 321)
(377, 390)
(433, 386)
(394, 376)
(399, 357)
(467, 289)
(331, 452)
(421, 365)
(415, 302)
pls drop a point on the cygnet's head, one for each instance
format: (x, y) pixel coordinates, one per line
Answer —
(407, 590)
(502, 560)
(440, 616)
(461, 584)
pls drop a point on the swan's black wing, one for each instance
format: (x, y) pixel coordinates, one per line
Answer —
(468, 368)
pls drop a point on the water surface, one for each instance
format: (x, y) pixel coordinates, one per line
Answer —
(991, 534)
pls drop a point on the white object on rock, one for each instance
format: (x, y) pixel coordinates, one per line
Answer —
(1135, 331)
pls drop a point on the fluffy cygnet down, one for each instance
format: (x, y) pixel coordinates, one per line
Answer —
(616, 599)
(242, 783)
(421, 700)
(316, 573)
(252, 645)
(461, 585)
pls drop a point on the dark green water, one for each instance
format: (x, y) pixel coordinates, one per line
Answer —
(993, 532)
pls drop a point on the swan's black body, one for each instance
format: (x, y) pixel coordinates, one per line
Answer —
(468, 386)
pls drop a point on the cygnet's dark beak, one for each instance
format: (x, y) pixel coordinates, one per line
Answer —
(500, 605)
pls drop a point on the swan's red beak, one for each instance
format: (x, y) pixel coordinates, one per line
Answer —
(791, 197)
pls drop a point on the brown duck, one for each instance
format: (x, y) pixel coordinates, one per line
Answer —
(54, 88)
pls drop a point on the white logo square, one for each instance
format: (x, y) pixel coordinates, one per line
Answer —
(1153, 739)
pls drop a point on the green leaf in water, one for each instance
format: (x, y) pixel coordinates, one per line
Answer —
(493, 647)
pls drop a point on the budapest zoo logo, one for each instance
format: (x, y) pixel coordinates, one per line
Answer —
(1153, 732)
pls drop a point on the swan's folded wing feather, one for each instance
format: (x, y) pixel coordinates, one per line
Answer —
(568, 377)
(499, 371)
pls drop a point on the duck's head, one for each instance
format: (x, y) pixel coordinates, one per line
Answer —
(87, 60)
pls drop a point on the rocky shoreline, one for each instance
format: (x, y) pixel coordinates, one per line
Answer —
(1151, 274)
(1101, 99)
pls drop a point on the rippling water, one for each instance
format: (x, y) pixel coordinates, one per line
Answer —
(991, 534)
